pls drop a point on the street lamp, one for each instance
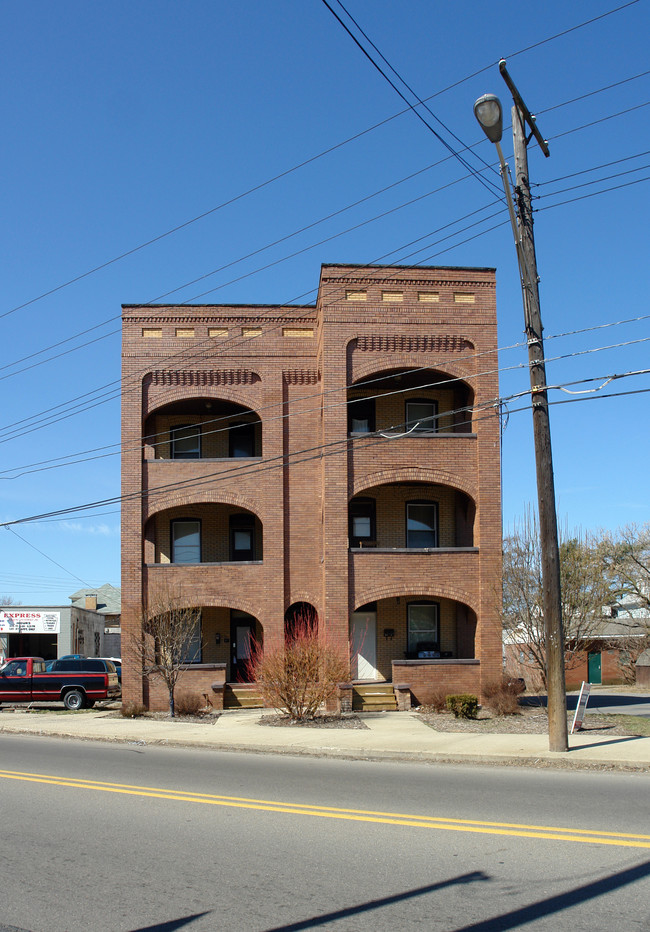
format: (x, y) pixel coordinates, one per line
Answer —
(489, 113)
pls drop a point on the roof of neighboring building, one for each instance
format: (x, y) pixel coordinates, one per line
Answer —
(109, 599)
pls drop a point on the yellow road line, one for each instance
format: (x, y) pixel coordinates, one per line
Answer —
(586, 836)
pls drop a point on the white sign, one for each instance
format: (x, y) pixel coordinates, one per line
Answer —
(30, 622)
(581, 707)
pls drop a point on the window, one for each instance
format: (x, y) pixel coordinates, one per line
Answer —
(362, 524)
(186, 442)
(422, 622)
(192, 649)
(242, 536)
(361, 416)
(421, 524)
(186, 541)
(241, 439)
(421, 415)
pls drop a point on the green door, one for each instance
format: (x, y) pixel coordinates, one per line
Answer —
(593, 667)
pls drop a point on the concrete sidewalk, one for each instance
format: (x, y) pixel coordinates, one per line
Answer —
(387, 736)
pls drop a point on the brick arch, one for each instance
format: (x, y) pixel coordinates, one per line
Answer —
(181, 497)
(238, 394)
(428, 590)
(240, 604)
(362, 369)
(414, 474)
(301, 595)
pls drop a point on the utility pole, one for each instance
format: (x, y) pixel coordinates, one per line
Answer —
(488, 112)
(551, 592)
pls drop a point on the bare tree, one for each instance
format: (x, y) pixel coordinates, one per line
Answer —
(585, 590)
(626, 557)
(168, 638)
(6, 600)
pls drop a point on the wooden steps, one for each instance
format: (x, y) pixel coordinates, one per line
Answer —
(373, 697)
(242, 696)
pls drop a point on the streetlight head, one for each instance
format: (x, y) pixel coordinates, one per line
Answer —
(489, 114)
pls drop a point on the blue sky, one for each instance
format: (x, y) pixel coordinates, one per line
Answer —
(123, 121)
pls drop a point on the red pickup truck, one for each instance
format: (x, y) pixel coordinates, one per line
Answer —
(25, 679)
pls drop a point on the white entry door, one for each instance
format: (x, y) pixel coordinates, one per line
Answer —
(364, 644)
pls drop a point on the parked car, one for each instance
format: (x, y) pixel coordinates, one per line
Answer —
(117, 662)
(76, 683)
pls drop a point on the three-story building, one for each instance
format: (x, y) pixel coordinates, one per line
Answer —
(340, 460)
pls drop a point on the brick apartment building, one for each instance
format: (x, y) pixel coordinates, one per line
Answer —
(341, 458)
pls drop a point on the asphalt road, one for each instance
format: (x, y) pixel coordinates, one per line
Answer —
(115, 838)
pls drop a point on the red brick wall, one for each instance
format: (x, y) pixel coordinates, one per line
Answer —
(294, 376)
(429, 678)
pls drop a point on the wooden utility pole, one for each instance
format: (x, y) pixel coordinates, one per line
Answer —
(551, 592)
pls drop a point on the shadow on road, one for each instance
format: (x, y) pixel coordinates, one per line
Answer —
(555, 904)
(350, 911)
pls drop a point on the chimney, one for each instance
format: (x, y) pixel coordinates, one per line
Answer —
(91, 603)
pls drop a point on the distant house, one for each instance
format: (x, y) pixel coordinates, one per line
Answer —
(106, 601)
(608, 656)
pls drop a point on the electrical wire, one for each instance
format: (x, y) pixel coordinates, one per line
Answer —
(246, 467)
(321, 451)
(487, 185)
(308, 161)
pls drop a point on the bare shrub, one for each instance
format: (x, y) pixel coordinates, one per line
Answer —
(299, 677)
(187, 702)
(133, 710)
(438, 703)
(502, 696)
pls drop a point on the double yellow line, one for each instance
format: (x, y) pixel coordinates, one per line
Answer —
(550, 832)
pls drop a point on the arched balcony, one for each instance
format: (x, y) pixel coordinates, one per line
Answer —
(203, 533)
(202, 428)
(411, 516)
(422, 402)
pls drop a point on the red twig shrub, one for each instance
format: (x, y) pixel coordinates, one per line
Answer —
(299, 677)
(502, 696)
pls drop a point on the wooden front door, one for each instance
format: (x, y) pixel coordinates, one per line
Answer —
(241, 636)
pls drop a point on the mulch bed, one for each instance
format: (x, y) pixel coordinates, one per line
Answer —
(528, 721)
(320, 721)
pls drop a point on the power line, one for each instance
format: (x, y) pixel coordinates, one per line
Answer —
(285, 459)
(305, 162)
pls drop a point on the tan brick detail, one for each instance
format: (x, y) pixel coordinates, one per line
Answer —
(298, 332)
(464, 298)
(356, 295)
(394, 297)
(152, 333)
(185, 333)
(251, 331)
(428, 297)
(217, 331)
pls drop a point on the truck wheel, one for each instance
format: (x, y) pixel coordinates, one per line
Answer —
(74, 700)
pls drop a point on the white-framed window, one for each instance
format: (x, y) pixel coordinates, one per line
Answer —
(186, 442)
(423, 626)
(186, 541)
(421, 416)
(193, 647)
(421, 525)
